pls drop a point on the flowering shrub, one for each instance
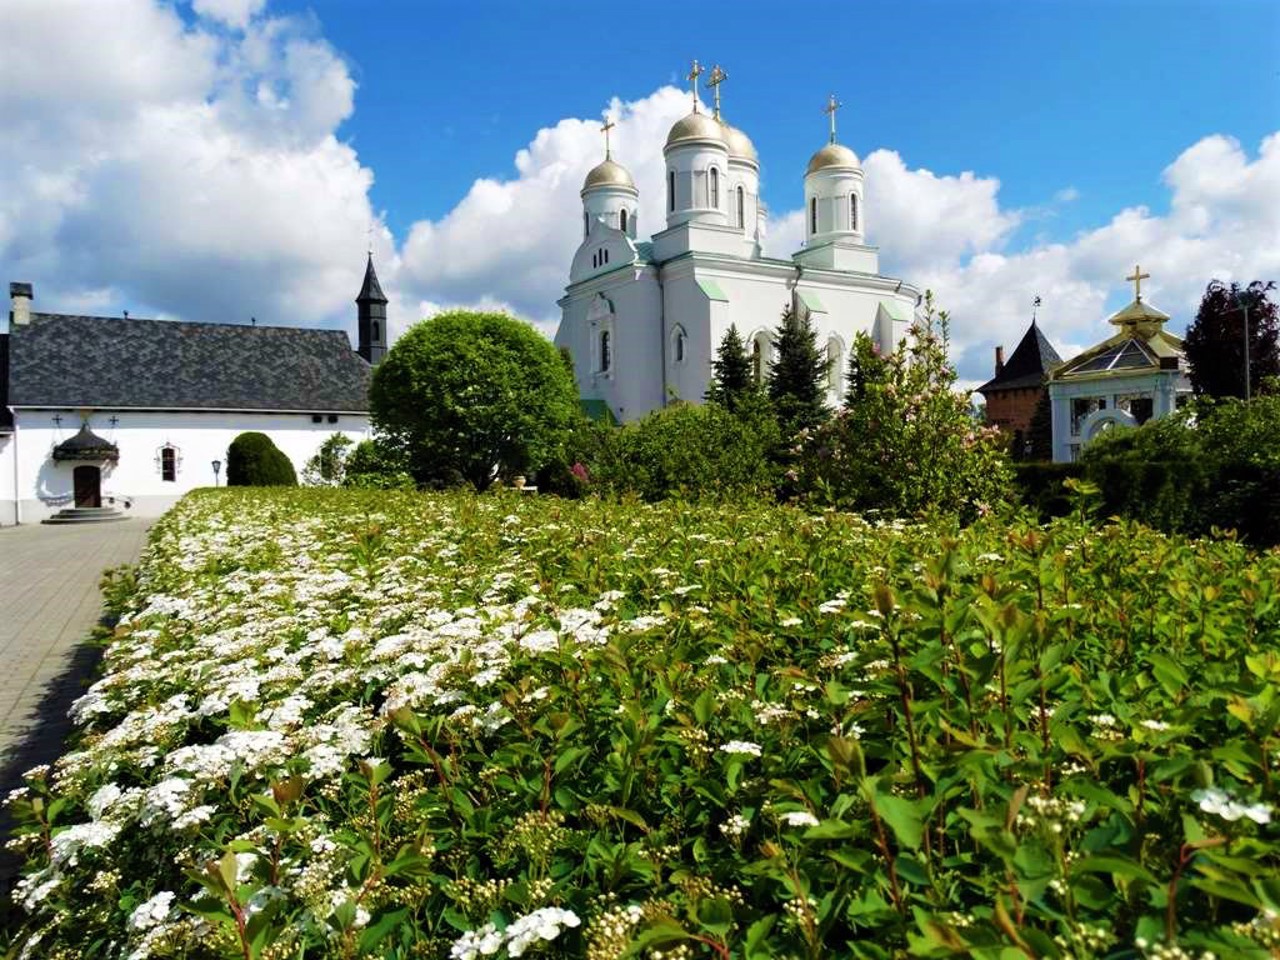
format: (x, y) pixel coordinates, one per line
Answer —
(372, 724)
(905, 442)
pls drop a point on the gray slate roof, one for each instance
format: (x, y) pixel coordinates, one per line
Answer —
(1030, 363)
(58, 360)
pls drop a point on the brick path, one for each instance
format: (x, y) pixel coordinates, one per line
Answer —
(49, 603)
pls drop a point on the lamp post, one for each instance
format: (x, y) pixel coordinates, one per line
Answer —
(217, 466)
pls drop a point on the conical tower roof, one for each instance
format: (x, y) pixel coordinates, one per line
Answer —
(371, 291)
(1030, 363)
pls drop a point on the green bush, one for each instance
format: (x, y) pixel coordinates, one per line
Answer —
(1041, 486)
(905, 442)
(473, 398)
(253, 460)
(696, 452)
(1215, 465)
(375, 466)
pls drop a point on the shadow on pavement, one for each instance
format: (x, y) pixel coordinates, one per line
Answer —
(43, 735)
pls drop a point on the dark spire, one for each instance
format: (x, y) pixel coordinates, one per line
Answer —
(371, 292)
(371, 317)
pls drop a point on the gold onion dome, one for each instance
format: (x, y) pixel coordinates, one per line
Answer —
(608, 174)
(696, 126)
(740, 145)
(832, 155)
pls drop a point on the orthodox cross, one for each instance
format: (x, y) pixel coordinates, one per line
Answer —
(608, 125)
(830, 110)
(114, 420)
(371, 238)
(57, 419)
(1035, 305)
(717, 77)
(1137, 278)
(694, 73)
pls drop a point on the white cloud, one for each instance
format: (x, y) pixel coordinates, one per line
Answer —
(178, 169)
(234, 13)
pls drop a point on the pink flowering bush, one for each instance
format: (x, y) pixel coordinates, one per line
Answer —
(905, 442)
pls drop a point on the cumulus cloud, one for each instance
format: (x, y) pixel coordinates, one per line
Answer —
(178, 168)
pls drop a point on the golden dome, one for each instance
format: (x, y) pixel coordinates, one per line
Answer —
(696, 126)
(832, 155)
(740, 145)
(608, 174)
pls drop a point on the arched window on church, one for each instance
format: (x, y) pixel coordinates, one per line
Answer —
(168, 460)
(853, 211)
(813, 215)
(833, 365)
(671, 190)
(680, 346)
(586, 224)
(377, 331)
(757, 363)
(622, 220)
(606, 355)
(715, 189)
(742, 209)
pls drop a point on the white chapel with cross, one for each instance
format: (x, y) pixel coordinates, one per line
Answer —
(642, 318)
(1137, 374)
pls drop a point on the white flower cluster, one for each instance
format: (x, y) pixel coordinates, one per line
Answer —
(1219, 802)
(540, 926)
(743, 748)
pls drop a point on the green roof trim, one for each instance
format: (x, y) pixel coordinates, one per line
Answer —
(811, 301)
(599, 411)
(712, 289)
(894, 310)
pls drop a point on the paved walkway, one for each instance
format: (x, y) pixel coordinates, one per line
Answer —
(49, 603)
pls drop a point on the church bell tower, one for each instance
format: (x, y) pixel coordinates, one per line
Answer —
(371, 318)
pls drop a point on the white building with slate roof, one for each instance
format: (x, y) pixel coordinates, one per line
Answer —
(642, 320)
(101, 411)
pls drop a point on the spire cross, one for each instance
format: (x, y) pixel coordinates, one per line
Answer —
(608, 125)
(371, 238)
(1137, 278)
(830, 110)
(717, 77)
(694, 73)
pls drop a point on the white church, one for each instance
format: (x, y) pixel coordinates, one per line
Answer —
(111, 417)
(642, 320)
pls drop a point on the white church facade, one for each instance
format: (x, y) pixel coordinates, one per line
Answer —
(133, 413)
(642, 320)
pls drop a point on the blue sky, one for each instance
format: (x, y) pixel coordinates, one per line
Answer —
(220, 159)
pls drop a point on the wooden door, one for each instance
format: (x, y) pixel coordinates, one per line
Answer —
(88, 483)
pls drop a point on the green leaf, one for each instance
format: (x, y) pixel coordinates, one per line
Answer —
(379, 929)
(1116, 866)
(903, 817)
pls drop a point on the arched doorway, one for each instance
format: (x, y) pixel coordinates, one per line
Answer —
(88, 486)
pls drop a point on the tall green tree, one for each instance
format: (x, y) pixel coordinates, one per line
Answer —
(798, 375)
(1215, 340)
(732, 382)
(473, 397)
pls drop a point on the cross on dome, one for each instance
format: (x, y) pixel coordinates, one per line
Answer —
(717, 77)
(608, 125)
(694, 73)
(830, 110)
(1137, 278)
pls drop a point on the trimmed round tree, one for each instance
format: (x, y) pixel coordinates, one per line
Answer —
(472, 397)
(253, 460)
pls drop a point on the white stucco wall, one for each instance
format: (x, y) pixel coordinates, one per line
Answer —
(44, 487)
(1162, 387)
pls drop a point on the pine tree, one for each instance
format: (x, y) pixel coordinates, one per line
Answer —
(731, 382)
(867, 369)
(798, 375)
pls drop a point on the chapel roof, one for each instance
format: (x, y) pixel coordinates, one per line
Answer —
(1141, 344)
(60, 360)
(1030, 363)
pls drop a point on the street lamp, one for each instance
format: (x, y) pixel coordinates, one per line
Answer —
(217, 466)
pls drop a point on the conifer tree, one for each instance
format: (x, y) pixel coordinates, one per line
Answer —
(732, 382)
(798, 375)
(1040, 432)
